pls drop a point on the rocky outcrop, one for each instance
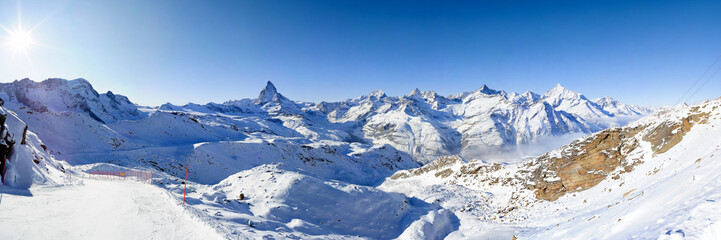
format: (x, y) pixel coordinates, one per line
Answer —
(442, 166)
(6, 143)
(583, 164)
(5, 148)
(666, 135)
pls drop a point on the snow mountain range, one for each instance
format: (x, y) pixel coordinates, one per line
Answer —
(418, 166)
(422, 124)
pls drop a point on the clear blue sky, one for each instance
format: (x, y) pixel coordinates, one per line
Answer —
(640, 52)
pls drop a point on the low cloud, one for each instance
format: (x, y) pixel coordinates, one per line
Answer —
(517, 153)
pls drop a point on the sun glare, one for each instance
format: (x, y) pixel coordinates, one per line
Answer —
(20, 41)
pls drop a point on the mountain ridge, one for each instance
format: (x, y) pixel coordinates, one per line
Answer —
(423, 124)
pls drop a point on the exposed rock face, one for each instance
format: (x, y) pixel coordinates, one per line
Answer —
(583, 164)
(5, 147)
(666, 135)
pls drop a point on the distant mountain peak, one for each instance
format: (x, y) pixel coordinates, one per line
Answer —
(529, 93)
(377, 93)
(526, 97)
(558, 88)
(428, 96)
(560, 91)
(605, 100)
(415, 92)
(269, 94)
(269, 90)
(80, 80)
(485, 89)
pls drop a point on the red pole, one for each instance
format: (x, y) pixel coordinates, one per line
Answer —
(186, 183)
(5, 164)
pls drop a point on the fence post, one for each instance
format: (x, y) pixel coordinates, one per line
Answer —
(186, 183)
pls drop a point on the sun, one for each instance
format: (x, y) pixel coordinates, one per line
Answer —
(20, 40)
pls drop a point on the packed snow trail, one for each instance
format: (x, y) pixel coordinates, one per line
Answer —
(98, 210)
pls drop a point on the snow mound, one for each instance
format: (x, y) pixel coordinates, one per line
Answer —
(290, 202)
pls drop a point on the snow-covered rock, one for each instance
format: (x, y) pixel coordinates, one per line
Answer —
(26, 163)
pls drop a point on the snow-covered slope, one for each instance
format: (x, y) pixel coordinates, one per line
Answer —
(99, 210)
(654, 178)
(286, 204)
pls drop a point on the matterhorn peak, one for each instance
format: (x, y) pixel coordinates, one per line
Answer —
(269, 94)
(268, 90)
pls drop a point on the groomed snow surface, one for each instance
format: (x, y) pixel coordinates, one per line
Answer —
(98, 209)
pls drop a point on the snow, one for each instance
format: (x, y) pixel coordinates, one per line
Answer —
(674, 195)
(321, 170)
(72, 118)
(98, 210)
(436, 225)
(283, 203)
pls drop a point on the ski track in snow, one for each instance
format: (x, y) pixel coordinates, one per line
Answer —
(98, 210)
